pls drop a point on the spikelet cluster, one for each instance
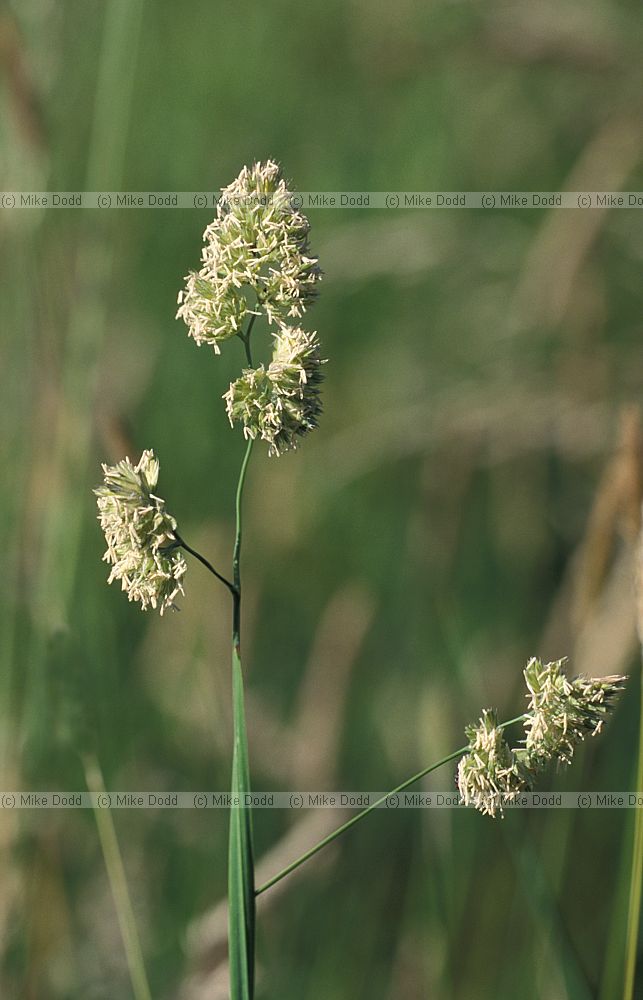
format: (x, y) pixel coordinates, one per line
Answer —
(561, 713)
(490, 774)
(256, 258)
(280, 403)
(257, 261)
(140, 534)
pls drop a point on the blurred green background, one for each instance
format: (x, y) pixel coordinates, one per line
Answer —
(471, 498)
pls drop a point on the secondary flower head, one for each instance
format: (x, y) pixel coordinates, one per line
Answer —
(139, 533)
(562, 712)
(490, 773)
(256, 259)
(280, 403)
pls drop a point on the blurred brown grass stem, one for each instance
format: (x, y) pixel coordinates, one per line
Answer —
(118, 881)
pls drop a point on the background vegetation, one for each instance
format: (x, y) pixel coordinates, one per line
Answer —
(471, 498)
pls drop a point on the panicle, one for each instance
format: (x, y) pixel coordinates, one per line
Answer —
(256, 259)
(490, 773)
(280, 403)
(140, 534)
(562, 712)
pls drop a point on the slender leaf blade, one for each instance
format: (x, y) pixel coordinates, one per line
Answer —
(241, 892)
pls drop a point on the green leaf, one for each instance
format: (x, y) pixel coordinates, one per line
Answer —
(241, 890)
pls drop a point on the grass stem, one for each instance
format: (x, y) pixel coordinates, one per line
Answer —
(241, 883)
(636, 875)
(208, 565)
(369, 809)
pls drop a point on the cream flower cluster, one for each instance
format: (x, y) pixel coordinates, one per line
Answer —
(562, 712)
(140, 534)
(257, 261)
(280, 403)
(490, 774)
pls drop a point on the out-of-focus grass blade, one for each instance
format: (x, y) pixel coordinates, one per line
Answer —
(241, 894)
(117, 881)
(636, 875)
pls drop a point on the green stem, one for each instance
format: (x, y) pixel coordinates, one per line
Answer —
(636, 877)
(241, 884)
(117, 881)
(369, 809)
(245, 339)
(236, 558)
(208, 565)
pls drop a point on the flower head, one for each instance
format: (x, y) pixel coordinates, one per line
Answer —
(140, 534)
(490, 773)
(562, 712)
(280, 403)
(256, 258)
